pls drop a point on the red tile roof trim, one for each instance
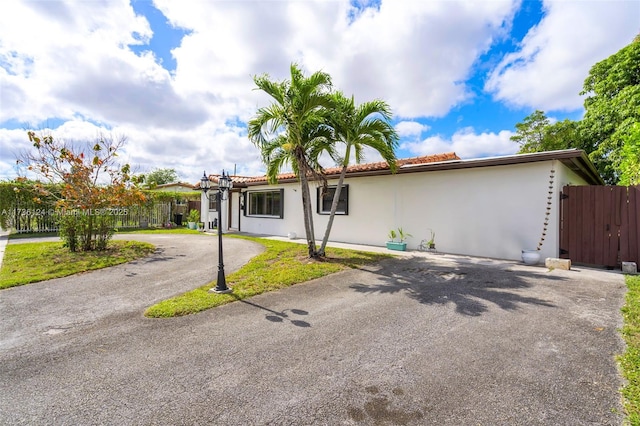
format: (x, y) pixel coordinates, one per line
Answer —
(367, 167)
(574, 159)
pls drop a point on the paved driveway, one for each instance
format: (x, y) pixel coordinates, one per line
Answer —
(424, 340)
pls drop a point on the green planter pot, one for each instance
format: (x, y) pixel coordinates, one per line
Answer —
(392, 245)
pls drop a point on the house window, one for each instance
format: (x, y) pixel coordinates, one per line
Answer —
(325, 200)
(213, 202)
(265, 203)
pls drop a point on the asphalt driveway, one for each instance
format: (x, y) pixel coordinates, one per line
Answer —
(423, 340)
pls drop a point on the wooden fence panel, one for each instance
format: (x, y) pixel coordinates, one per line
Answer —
(28, 221)
(600, 225)
(601, 239)
(631, 238)
(623, 210)
(618, 211)
(194, 205)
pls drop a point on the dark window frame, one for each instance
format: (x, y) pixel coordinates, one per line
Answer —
(213, 200)
(250, 199)
(322, 202)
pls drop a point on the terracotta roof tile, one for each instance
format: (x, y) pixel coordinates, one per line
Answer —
(370, 167)
(234, 179)
(366, 167)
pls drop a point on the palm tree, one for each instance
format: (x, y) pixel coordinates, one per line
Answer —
(293, 130)
(366, 125)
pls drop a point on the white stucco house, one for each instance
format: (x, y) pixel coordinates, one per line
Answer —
(490, 207)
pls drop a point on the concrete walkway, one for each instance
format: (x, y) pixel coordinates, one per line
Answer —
(420, 339)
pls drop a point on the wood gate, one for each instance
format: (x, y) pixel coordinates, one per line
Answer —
(600, 225)
(194, 205)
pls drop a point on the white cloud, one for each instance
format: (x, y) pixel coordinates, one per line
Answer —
(415, 55)
(187, 151)
(555, 57)
(70, 61)
(410, 129)
(60, 58)
(466, 143)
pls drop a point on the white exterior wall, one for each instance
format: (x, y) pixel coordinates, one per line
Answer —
(207, 215)
(486, 211)
(204, 209)
(292, 220)
(234, 199)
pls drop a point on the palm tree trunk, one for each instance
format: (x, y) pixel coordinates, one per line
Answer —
(308, 214)
(334, 207)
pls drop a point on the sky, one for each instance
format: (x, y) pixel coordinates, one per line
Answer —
(176, 77)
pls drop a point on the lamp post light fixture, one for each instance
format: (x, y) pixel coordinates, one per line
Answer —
(224, 185)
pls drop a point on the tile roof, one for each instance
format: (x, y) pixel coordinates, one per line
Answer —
(365, 167)
(575, 159)
(381, 166)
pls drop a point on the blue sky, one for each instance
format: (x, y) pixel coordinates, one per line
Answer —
(175, 78)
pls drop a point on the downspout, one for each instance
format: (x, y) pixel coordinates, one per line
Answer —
(239, 211)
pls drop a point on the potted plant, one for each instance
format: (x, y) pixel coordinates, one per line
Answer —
(431, 244)
(401, 236)
(428, 244)
(193, 219)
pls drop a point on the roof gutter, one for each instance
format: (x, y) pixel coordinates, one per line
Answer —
(575, 159)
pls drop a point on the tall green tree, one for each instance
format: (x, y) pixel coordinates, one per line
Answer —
(160, 177)
(293, 131)
(629, 166)
(536, 133)
(530, 133)
(357, 127)
(565, 134)
(612, 107)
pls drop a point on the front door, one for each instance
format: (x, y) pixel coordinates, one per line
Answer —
(234, 211)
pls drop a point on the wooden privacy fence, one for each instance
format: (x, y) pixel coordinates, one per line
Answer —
(194, 205)
(600, 225)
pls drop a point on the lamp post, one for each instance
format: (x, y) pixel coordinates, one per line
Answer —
(224, 184)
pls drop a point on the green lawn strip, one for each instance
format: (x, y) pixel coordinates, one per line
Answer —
(17, 236)
(31, 262)
(630, 360)
(158, 231)
(281, 265)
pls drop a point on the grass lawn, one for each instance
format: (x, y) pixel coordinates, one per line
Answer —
(32, 262)
(281, 265)
(16, 236)
(159, 231)
(630, 361)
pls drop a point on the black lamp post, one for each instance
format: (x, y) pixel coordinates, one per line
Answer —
(224, 184)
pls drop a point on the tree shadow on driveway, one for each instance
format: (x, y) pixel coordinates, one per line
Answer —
(280, 316)
(471, 288)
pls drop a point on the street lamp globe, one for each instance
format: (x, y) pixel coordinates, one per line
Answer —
(205, 184)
